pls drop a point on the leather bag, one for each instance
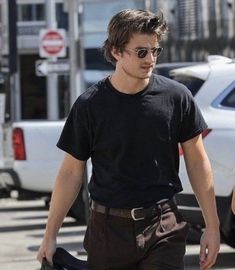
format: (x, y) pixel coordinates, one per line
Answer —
(63, 260)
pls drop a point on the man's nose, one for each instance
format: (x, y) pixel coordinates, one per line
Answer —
(150, 57)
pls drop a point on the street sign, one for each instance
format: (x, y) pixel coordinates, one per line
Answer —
(45, 67)
(52, 43)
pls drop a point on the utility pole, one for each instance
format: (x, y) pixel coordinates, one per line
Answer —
(75, 51)
(147, 4)
(12, 61)
(52, 79)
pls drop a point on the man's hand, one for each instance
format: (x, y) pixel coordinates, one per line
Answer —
(47, 250)
(210, 245)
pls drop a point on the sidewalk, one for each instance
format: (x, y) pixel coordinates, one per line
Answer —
(22, 226)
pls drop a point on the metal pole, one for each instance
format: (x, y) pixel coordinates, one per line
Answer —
(147, 4)
(52, 79)
(13, 63)
(75, 74)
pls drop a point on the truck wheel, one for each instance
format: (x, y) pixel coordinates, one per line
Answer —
(80, 209)
(86, 199)
(4, 192)
(228, 229)
(77, 209)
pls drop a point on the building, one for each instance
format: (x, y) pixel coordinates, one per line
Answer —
(198, 28)
(30, 90)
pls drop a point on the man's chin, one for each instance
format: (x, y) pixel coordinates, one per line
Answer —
(147, 76)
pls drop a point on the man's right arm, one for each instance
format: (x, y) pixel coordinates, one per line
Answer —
(67, 186)
(233, 201)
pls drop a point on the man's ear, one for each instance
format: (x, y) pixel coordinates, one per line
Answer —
(116, 53)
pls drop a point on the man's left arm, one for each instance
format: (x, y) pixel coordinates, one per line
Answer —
(200, 176)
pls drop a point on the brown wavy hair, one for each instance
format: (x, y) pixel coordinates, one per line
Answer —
(128, 22)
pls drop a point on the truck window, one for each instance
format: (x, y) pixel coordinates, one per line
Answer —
(192, 83)
(229, 100)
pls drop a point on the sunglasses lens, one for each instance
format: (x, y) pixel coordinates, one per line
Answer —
(157, 51)
(142, 53)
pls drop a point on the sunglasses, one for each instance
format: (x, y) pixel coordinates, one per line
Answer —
(142, 52)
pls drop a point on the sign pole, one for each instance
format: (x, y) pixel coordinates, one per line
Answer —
(75, 70)
(52, 79)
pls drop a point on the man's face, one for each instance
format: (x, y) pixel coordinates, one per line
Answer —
(139, 56)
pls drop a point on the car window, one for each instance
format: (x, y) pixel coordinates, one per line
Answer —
(192, 83)
(229, 100)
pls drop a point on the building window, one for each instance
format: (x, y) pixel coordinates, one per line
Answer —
(40, 12)
(188, 19)
(61, 17)
(31, 12)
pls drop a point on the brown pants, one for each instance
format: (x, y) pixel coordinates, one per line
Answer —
(156, 243)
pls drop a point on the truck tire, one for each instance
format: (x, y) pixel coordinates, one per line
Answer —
(77, 210)
(80, 209)
(86, 199)
(228, 229)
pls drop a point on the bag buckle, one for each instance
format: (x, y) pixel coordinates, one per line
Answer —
(133, 213)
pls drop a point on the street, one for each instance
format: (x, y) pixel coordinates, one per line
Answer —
(22, 226)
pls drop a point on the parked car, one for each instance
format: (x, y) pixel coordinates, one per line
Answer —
(165, 69)
(213, 86)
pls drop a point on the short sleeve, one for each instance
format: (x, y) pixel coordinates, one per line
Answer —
(75, 137)
(192, 123)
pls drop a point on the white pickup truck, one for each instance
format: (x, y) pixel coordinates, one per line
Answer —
(30, 154)
(31, 161)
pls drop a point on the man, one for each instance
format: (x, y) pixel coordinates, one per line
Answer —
(130, 125)
(233, 201)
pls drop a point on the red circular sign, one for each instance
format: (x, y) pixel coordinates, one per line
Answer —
(53, 42)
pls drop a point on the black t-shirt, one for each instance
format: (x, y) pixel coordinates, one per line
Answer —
(132, 140)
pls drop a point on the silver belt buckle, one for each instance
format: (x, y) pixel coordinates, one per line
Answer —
(133, 213)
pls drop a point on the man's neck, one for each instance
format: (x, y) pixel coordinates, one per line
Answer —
(128, 85)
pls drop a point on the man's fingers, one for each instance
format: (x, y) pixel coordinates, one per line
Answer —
(207, 264)
(49, 259)
(47, 250)
(40, 257)
(203, 252)
(209, 259)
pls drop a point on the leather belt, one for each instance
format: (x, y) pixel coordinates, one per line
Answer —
(135, 213)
